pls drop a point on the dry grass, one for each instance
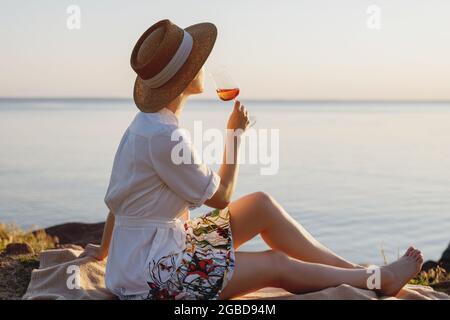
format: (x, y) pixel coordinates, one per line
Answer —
(436, 278)
(15, 271)
(10, 233)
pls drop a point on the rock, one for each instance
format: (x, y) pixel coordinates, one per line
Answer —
(442, 286)
(76, 233)
(446, 254)
(428, 265)
(444, 262)
(18, 248)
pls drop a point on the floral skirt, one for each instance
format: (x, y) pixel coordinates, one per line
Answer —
(206, 266)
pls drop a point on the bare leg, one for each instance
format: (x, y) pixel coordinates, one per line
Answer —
(256, 270)
(258, 213)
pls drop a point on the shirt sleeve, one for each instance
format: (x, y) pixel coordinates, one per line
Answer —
(177, 164)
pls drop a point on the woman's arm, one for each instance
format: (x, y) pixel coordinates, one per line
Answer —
(230, 167)
(101, 252)
(107, 233)
(185, 216)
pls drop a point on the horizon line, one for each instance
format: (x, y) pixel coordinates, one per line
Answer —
(99, 99)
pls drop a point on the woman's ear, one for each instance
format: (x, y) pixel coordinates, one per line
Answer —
(197, 84)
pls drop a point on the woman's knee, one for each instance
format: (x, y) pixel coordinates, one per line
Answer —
(267, 207)
(279, 263)
(262, 199)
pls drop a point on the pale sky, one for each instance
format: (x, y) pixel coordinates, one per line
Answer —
(295, 49)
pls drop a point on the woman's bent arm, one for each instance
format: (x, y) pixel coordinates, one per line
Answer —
(101, 252)
(107, 233)
(229, 169)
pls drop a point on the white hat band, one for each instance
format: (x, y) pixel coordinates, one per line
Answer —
(174, 64)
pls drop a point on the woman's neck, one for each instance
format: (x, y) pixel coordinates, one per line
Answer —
(176, 105)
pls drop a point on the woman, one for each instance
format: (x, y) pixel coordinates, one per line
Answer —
(155, 250)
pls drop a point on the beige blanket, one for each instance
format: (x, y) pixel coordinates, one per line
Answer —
(56, 279)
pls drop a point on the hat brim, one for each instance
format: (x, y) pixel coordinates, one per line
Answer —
(151, 100)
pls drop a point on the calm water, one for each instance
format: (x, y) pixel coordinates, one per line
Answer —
(362, 178)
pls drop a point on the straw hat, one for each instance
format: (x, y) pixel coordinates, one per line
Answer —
(166, 59)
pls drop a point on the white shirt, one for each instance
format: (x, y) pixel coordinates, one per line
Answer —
(147, 193)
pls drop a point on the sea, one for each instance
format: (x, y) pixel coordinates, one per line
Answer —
(367, 179)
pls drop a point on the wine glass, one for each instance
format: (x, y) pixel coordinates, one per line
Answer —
(226, 87)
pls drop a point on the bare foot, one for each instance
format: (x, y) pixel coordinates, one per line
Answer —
(395, 275)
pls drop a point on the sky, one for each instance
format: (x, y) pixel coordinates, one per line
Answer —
(307, 50)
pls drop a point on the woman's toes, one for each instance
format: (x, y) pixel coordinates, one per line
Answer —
(410, 251)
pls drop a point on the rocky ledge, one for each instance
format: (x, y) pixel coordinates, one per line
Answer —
(75, 233)
(19, 255)
(83, 233)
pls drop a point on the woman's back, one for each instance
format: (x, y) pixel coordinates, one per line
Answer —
(147, 193)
